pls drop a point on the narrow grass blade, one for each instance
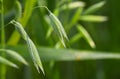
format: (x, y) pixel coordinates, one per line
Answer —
(53, 54)
(35, 55)
(29, 4)
(18, 9)
(49, 32)
(93, 18)
(94, 8)
(58, 45)
(75, 55)
(58, 28)
(73, 5)
(15, 55)
(75, 38)
(76, 4)
(50, 29)
(75, 17)
(31, 46)
(7, 62)
(86, 35)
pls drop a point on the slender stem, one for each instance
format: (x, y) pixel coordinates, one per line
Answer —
(3, 67)
(2, 28)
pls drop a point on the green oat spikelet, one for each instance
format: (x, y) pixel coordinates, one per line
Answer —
(20, 29)
(58, 28)
(35, 55)
(32, 48)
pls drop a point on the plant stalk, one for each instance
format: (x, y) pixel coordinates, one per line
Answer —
(3, 67)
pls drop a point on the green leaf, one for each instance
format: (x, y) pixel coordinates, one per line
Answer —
(15, 55)
(49, 32)
(75, 38)
(53, 54)
(49, 54)
(93, 18)
(75, 17)
(94, 8)
(7, 62)
(29, 4)
(70, 6)
(18, 9)
(8, 5)
(86, 35)
(50, 29)
(73, 5)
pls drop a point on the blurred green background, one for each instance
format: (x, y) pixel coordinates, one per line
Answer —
(106, 36)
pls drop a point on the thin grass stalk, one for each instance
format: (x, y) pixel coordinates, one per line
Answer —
(3, 67)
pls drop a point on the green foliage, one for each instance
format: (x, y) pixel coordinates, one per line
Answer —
(94, 8)
(49, 54)
(7, 62)
(50, 24)
(86, 35)
(93, 18)
(27, 11)
(18, 10)
(14, 55)
(24, 19)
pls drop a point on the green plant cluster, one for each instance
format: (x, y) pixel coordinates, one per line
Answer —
(58, 34)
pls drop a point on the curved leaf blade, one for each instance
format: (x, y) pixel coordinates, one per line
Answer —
(15, 55)
(93, 18)
(73, 5)
(7, 62)
(86, 35)
(94, 8)
(53, 54)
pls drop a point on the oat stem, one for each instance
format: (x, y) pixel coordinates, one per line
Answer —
(3, 67)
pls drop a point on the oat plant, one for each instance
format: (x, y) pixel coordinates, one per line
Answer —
(13, 54)
(59, 26)
(31, 46)
(80, 15)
